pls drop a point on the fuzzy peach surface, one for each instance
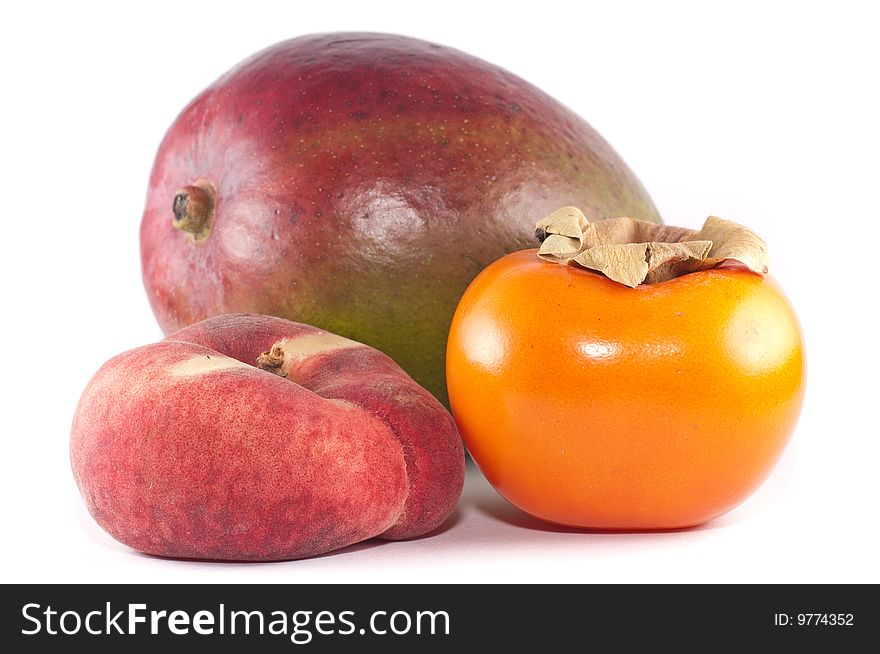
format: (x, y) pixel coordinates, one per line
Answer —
(186, 449)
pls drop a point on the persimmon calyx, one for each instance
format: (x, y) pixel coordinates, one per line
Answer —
(635, 252)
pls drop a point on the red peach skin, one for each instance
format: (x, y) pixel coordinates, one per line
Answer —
(186, 449)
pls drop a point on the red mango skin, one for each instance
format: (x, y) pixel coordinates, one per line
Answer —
(360, 182)
(231, 462)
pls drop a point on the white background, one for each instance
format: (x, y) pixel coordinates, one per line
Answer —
(764, 113)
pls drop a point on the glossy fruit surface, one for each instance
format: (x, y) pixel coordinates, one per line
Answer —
(591, 404)
(358, 183)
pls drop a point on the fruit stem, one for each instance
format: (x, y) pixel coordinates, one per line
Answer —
(272, 361)
(193, 208)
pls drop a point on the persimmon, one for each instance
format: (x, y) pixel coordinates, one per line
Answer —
(590, 403)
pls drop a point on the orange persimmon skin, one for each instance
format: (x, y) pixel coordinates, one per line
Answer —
(590, 404)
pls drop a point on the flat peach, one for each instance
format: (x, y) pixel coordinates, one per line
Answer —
(189, 448)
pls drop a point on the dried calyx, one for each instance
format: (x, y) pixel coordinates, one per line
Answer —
(635, 252)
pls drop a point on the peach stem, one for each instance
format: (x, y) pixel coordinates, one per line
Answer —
(272, 361)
